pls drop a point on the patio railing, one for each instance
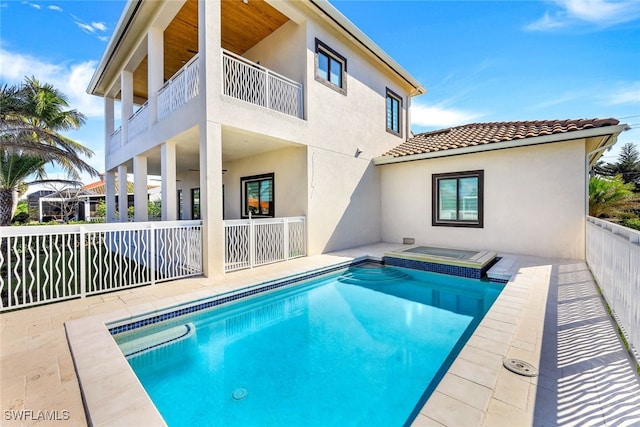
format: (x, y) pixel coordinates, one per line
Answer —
(613, 255)
(115, 140)
(179, 89)
(251, 82)
(42, 264)
(139, 121)
(253, 242)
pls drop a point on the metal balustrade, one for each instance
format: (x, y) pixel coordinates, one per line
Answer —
(613, 255)
(251, 82)
(139, 121)
(253, 242)
(43, 264)
(179, 89)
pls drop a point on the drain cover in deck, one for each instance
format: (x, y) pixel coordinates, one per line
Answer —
(520, 367)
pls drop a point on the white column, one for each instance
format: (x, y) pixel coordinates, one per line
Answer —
(87, 209)
(209, 48)
(140, 192)
(126, 102)
(123, 197)
(211, 199)
(169, 190)
(110, 195)
(109, 123)
(155, 67)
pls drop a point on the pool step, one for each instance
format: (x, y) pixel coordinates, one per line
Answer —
(357, 275)
(146, 343)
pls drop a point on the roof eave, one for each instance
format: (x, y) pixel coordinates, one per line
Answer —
(614, 131)
(126, 17)
(359, 36)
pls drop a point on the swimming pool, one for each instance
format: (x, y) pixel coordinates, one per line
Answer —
(363, 347)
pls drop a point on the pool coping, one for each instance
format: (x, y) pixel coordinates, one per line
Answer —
(112, 393)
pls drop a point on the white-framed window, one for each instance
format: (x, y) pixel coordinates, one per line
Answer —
(331, 68)
(394, 113)
(458, 199)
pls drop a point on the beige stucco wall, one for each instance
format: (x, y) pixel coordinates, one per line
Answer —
(289, 167)
(534, 201)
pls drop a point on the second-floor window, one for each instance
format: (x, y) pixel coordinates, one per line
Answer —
(331, 68)
(394, 112)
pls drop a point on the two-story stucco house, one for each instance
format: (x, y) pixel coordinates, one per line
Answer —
(266, 108)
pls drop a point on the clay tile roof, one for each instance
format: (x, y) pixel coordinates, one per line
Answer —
(477, 134)
(100, 187)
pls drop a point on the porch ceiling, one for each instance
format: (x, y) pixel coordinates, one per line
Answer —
(243, 26)
(236, 144)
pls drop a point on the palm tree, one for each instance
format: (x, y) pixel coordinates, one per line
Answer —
(608, 197)
(31, 117)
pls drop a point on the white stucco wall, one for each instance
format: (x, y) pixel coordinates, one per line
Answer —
(534, 201)
(289, 167)
(344, 198)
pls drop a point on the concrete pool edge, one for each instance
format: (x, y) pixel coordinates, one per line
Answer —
(112, 394)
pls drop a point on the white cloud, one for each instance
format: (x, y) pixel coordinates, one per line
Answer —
(602, 13)
(99, 26)
(35, 6)
(103, 38)
(56, 8)
(440, 116)
(628, 94)
(71, 79)
(85, 27)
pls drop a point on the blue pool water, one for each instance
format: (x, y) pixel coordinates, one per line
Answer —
(365, 347)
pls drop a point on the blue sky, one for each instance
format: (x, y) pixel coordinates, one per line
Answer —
(480, 61)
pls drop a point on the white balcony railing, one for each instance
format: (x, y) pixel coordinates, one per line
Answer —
(115, 140)
(179, 89)
(53, 263)
(253, 242)
(139, 121)
(251, 82)
(613, 255)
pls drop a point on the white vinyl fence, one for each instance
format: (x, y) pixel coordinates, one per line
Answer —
(253, 242)
(613, 255)
(251, 82)
(41, 264)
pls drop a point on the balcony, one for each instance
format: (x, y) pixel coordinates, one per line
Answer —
(253, 83)
(179, 89)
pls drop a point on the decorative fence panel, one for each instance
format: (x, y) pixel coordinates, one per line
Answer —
(179, 89)
(253, 242)
(53, 263)
(139, 121)
(251, 82)
(613, 255)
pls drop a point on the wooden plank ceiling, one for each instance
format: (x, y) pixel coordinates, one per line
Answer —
(243, 26)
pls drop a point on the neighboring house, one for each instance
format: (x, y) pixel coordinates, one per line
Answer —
(515, 187)
(273, 108)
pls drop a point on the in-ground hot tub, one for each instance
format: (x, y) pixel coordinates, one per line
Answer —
(456, 262)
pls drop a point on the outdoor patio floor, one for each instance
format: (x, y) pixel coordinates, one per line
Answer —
(550, 314)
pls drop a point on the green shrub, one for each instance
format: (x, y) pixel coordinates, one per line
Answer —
(632, 223)
(21, 218)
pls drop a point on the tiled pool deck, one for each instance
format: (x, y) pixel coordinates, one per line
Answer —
(550, 314)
